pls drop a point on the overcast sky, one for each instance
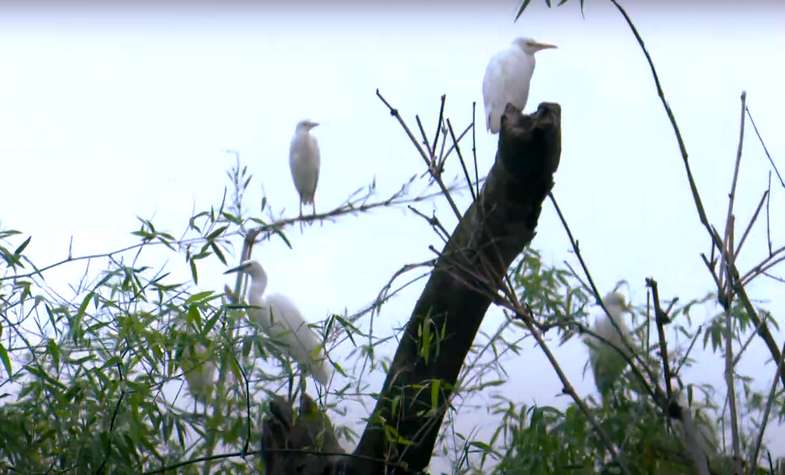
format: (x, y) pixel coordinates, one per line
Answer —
(111, 113)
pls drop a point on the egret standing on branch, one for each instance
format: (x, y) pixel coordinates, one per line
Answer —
(507, 79)
(304, 162)
(606, 362)
(283, 322)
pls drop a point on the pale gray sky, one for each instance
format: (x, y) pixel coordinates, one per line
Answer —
(108, 114)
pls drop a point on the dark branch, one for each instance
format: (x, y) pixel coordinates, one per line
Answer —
(489, 236)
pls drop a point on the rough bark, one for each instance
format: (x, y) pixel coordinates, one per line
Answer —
(456, 297)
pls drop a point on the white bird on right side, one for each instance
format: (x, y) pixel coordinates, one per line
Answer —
(507, 79)
(304, 162)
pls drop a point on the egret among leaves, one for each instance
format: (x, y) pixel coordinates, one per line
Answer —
(606, 362)
(304, 163)
(283, 322)
(199, 371)
(507, 79)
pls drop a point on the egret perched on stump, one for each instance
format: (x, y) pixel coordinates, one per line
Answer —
(507, 79)
(606, 362)
(304, 162)
(283, 322)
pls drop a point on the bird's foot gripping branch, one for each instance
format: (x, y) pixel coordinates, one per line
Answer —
(401, 432)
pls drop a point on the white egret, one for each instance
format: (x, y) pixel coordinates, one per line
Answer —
(283, 322)
(199, 371)
(606, 362)
(507, 79)
(304, 162)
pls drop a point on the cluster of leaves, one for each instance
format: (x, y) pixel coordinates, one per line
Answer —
(93, 381)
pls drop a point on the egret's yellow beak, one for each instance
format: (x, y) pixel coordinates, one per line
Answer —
(239, 268)
(538, 46)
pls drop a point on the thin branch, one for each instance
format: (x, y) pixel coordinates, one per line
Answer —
(474, 149)
(394, 112)
(729, 381)
(438, 125)
(752, 221)
(460, 158)
(753, 463)
(686, 356)
(765, 150)
(661, 319)
(735, 283)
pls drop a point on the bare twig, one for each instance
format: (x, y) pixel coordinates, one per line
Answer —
(474, 149)
(736, 284)
(460, 158)
(752, 221)
(661, 319)
(438, 125)
(769, 403)
(686, 356)
(765, 150)
(394, 112)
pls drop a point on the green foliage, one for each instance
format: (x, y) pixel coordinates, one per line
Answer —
(549, 3)
(93, 382)
(544, 440)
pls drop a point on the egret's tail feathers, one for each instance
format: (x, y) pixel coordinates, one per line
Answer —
(494, 122)
(322, 371)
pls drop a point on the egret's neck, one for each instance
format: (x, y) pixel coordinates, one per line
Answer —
(616, 313)
(258, 286)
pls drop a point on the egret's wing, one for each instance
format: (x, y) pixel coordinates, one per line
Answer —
(304, 165)
(290, 329)
(492, 85)
(606, 362)
(318, 164)
(198, 369)
(507, 80)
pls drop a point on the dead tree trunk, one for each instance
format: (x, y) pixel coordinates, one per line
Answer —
(403, 428)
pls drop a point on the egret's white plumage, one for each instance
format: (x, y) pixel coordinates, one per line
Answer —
(507, 79)
(283, 322)
(304, 162)
(199, 370)
(606, 362)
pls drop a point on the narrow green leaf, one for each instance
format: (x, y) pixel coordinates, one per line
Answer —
(193, 271)
(54, 350)
(523, 6)
(283, 236)
(22, 246)
(194, 317)
(217, 251)
(216, 233)
(199, 297)
(6, 361)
